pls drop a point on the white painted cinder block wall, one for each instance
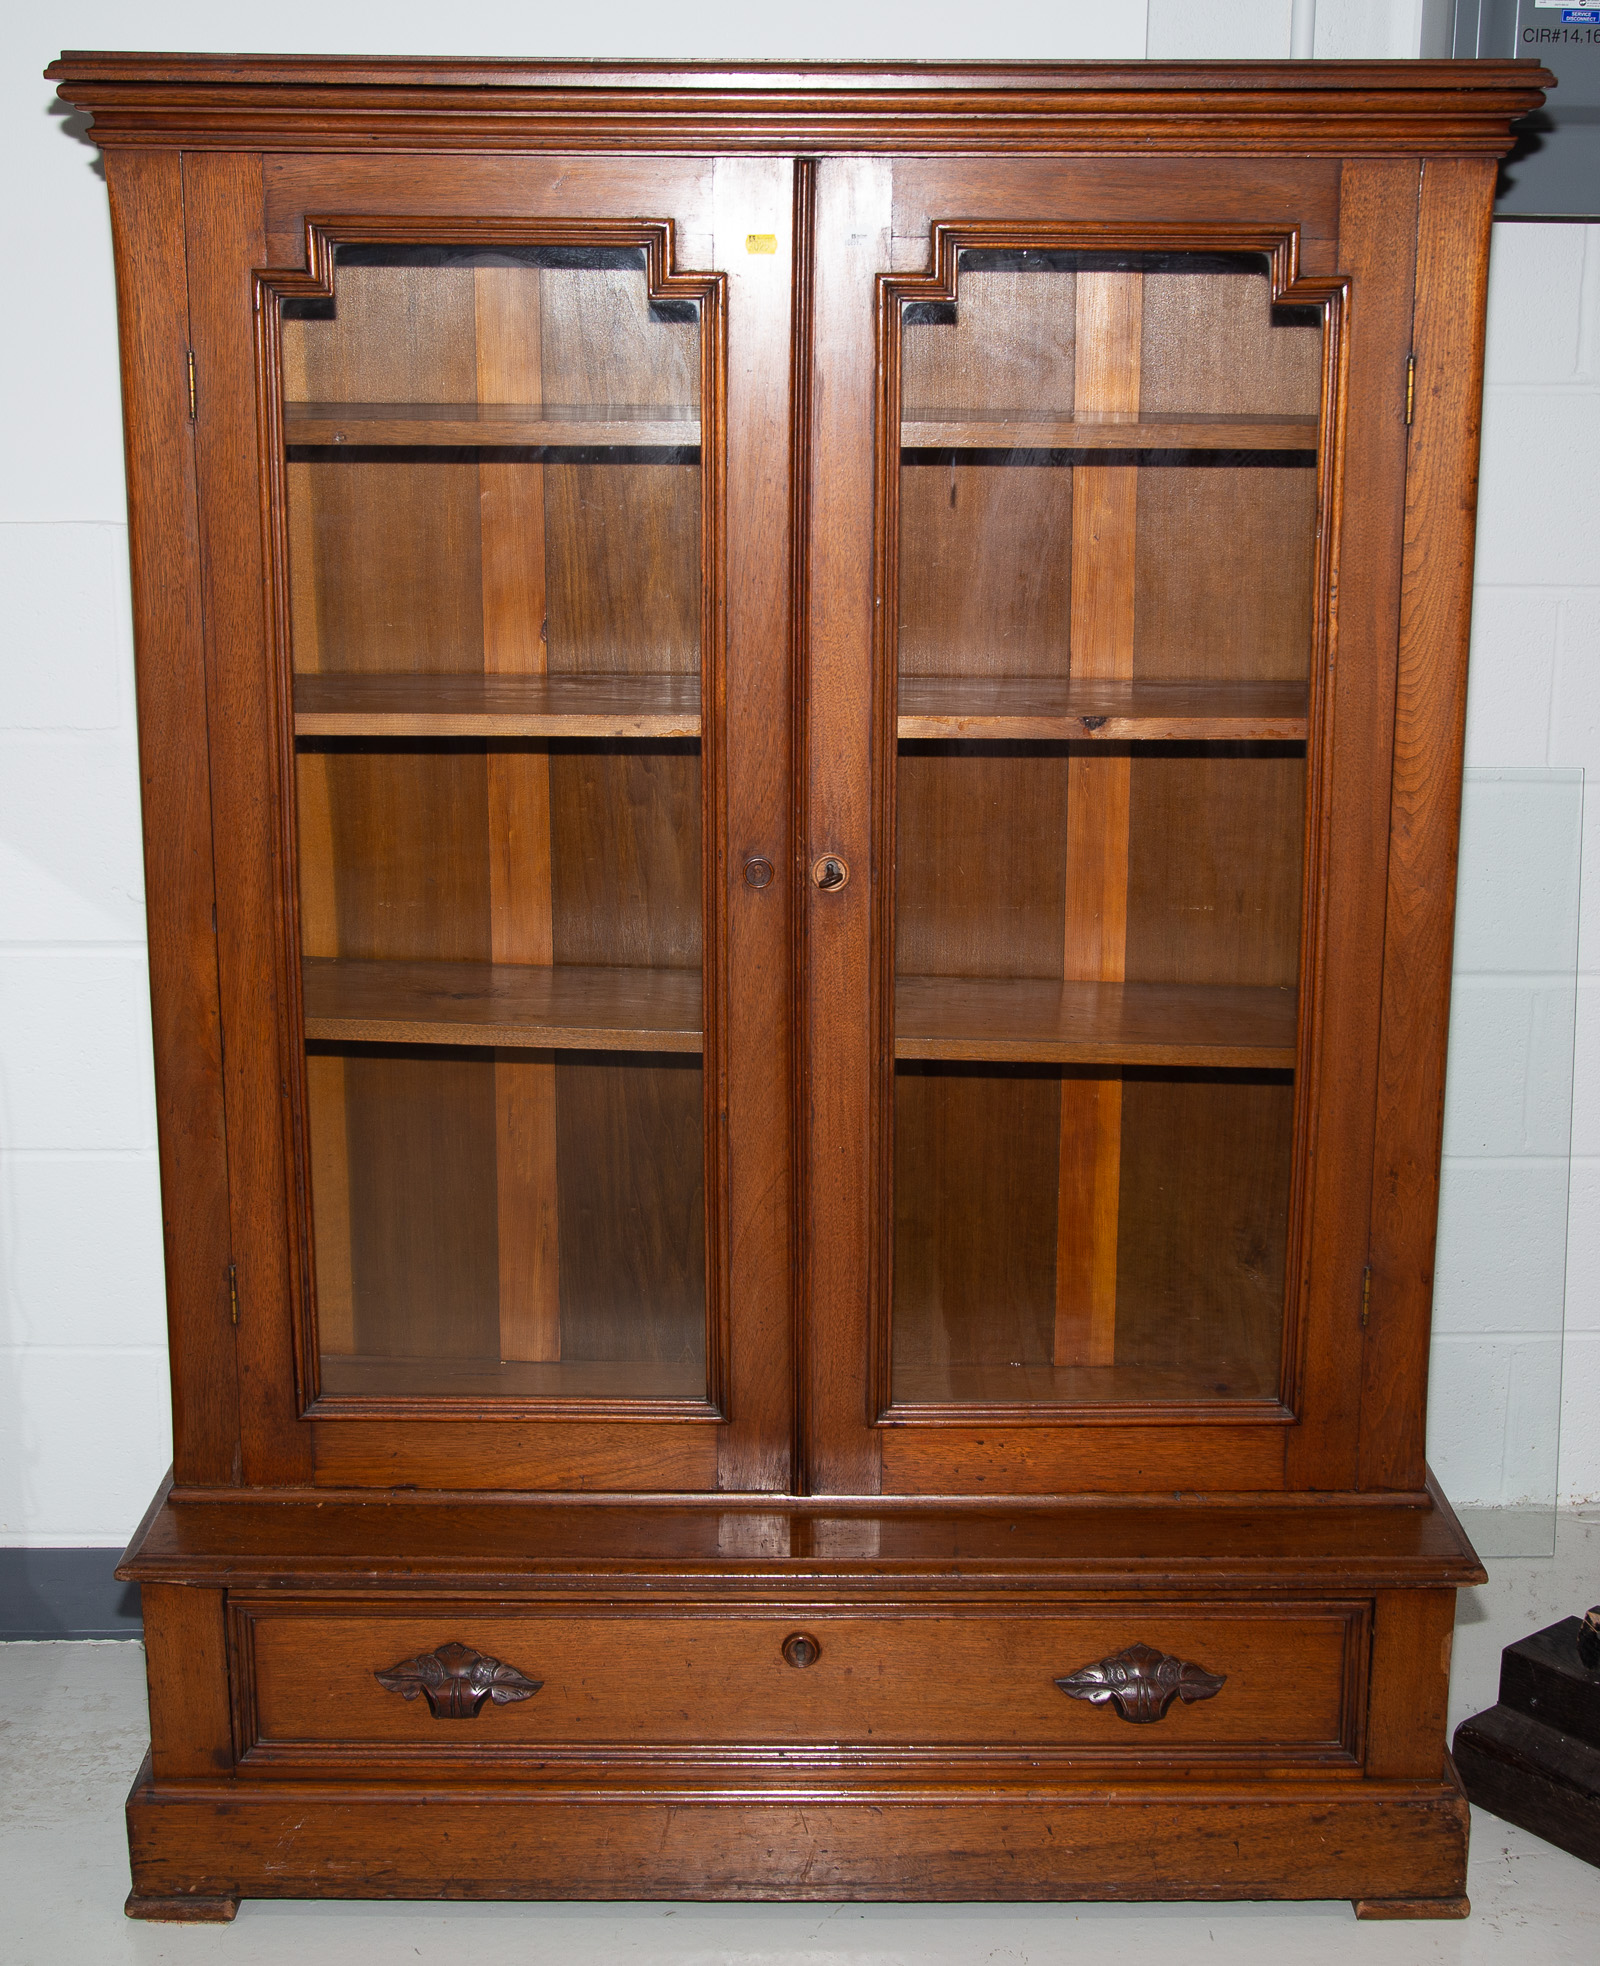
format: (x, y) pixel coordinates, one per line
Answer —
(83, 1399)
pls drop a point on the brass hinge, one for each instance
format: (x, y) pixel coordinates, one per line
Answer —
(1411, 387)
(191, 388)
(233, 1292)
(1366, 1295)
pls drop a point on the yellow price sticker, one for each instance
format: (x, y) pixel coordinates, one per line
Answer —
(761, 242)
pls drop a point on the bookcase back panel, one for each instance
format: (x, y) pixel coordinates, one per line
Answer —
(975, 1243)
(623, 568)
(625, 853)
(1240, 609)
(419, 1136)
(1202, 1216)
(1215, 864)
(983, 572)
(979, 888)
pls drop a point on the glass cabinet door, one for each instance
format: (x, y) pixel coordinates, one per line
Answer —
(1106, 539)
(494, 492)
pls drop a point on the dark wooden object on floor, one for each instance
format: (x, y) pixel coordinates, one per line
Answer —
(1534, 1757)
(800, 736)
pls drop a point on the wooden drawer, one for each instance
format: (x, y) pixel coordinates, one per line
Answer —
(314, 1682)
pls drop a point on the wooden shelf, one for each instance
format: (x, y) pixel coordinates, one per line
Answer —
(1062, 707)
(1035, 1020)
(1029, 430)
(327, 705)
(1008, 1019)
(652, 426)
(1005, 1386)
(493, 425)
(565, 1008)
(464, 705)
(356, 1375)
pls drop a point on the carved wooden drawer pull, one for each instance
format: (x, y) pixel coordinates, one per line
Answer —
(456, 1681)
(1141, 1683)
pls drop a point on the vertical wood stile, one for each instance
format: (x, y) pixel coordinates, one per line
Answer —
(854, 219)
(512, 520)
(222, 207)
(1378, 201)
(1104, 513)
(326, 1119)
(1424, 817)
(146, 189)
(748, 767)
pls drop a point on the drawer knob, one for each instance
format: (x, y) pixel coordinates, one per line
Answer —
(1141, 1683)
(456, 1681)
(801, 1650)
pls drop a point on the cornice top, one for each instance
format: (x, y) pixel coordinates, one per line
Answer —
(315, 102)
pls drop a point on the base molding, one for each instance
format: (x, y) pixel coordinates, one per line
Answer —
(1370, 1842)
(664, 1738)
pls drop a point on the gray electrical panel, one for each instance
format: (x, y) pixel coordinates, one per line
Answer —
(1554, 172)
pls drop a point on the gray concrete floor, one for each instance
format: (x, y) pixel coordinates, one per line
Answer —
(72, 1732)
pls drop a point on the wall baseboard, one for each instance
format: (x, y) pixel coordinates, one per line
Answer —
(69, 1593)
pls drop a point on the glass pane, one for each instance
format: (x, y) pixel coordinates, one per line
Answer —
(1108, 504)
(494, 511)
(1500, 1271)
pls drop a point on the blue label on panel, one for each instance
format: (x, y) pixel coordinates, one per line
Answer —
(1582, 16)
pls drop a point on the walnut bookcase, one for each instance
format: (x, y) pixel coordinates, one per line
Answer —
(801, 737)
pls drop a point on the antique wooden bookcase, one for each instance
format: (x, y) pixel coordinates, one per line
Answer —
(801, 738)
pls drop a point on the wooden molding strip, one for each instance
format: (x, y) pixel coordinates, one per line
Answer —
(310, 103)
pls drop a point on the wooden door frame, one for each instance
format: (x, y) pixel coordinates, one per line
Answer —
(1334, 229)
(239, 225)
